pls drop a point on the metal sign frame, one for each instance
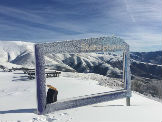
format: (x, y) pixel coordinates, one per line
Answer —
(102, 44)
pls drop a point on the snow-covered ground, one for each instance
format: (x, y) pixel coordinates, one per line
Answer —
(18, 102)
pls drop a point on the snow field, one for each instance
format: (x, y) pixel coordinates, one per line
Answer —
(18, 102)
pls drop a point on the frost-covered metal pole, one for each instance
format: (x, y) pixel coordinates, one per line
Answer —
(40, 78)
(124, 70)
(127, 77)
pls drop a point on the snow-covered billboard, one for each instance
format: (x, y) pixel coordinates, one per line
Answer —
(102, 44)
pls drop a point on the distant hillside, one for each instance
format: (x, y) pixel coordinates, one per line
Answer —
(11, 51)
(146, 67)
(148, 57)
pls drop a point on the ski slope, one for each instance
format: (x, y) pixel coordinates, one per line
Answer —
(18, 102)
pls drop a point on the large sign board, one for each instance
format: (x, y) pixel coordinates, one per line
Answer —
(102, 44)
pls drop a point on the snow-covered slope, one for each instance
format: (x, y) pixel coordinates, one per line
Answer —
(18, 102)
(22, 54)
(14, 51)
(19, 53)
(146, 77)
(149, 57)
(9, 50)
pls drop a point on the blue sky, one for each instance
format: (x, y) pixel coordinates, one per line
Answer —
(139, 22)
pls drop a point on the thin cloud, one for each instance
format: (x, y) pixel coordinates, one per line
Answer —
(129, 11)
(138, 21)
(143, 41)
(27, 16)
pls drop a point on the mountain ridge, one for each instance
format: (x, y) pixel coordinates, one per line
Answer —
(110, 64)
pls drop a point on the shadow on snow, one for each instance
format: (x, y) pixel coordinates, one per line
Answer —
(18, 111)
(21, 78)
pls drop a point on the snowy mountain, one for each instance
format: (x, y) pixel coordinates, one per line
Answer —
(149, 57)
(18, 100)
(16, 52)
(21, 54)
(110, 64)
(10, 50)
